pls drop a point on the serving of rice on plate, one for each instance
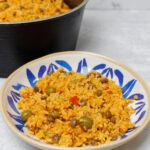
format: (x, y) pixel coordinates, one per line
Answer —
(73, 109)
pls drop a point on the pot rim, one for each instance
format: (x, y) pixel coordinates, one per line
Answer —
(49, 18)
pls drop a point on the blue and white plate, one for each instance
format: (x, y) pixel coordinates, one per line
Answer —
(82, 62)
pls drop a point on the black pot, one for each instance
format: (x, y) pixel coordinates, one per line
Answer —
(21, 42)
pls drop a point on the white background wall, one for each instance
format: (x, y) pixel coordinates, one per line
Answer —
(119, 4)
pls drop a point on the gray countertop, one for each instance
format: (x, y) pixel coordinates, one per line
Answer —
(123, 34)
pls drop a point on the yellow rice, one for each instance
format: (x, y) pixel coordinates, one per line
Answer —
(24, 10)
(75, 84)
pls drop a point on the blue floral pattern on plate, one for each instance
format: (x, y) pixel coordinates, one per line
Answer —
(82, 67)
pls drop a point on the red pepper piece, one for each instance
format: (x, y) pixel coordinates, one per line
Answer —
(120, 130)
(110, 92)
(70, 133)
(74, 100)
(106, 88)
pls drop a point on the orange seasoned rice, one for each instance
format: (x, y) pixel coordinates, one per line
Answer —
(24, 10)
(108, 112)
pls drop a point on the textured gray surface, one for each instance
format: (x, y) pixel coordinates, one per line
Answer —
(119, 4)
(121, 31)
(123, 35)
